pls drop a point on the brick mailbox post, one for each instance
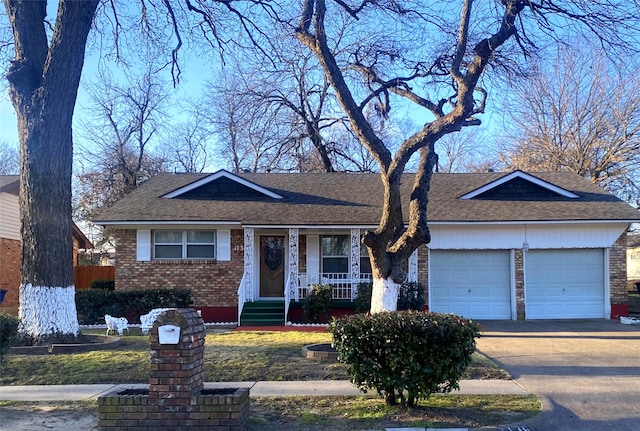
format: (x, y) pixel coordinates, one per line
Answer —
(175, 399)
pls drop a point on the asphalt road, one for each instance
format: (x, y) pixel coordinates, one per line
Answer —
(586, 372)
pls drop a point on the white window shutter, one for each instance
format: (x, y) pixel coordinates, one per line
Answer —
(143, 244)
(224, 245)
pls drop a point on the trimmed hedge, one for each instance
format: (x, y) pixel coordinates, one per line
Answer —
(406, 355)
(410, 297)
(93, 304)
(103, 284)
(8, 332)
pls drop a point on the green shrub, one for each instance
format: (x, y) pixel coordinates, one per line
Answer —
(363, 300)
(93, 304)
(8, 332)
(406, 355)
(317, 304)
(410, 297)
(103, 284)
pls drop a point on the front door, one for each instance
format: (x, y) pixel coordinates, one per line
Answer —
(272, 266)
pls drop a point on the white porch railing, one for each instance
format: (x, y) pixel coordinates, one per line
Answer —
(242, 298)
(343, 286)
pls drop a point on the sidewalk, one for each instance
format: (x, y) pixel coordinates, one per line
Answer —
(257, 389)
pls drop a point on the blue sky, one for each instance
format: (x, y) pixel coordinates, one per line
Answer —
(8, 125)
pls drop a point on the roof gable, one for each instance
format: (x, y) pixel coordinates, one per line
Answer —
(222, 185)
(10, 184)
(519, 185)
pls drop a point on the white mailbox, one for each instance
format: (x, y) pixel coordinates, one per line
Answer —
(169, 334)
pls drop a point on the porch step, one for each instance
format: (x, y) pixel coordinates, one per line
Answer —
(262, 313)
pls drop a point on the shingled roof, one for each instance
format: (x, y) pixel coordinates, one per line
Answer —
(354, 199)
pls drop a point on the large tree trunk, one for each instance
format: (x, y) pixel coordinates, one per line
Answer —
(43, 85)
(384, 296)
(391, 245)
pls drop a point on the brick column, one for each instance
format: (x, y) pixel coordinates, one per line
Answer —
(176, 370)
(518, 258)
(175, 399)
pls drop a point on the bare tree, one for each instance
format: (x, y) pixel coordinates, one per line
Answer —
(43, 76)
(252, 136)
(485, 38)
(305, 130)
(117, 143)
(188, 146)
(9, 159)
(43, 83)
(463, 152)
(580, 113)
(292, 85)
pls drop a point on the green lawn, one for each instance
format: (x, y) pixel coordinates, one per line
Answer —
(229, 356)
(316, 413)
(237, 356)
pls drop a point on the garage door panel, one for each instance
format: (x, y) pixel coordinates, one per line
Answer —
(471, 283)
(564, 284)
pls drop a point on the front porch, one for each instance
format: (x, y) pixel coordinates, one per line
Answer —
(282, 265)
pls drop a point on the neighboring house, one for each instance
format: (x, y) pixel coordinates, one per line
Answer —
(10, 242)
(504, 246)
(633, 260)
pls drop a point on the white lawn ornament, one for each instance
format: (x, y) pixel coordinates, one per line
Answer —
(116, 324)
(148, 319)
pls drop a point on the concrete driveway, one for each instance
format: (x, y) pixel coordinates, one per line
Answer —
(586, 372)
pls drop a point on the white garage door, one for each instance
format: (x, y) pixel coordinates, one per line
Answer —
(472, 283)
(564, 284)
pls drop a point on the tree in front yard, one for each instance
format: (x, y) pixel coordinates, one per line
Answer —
(43, 78)
(440, 57)
(43, 84)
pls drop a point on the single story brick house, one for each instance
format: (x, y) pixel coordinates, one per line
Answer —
(504, 245)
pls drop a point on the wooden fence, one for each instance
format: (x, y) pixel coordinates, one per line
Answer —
(84, 275)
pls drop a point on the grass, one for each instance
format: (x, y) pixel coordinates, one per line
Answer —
(229, 356)
(335, 413)
(248, 356)
(349, 413)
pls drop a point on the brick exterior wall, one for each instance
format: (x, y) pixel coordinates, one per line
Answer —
(518, 258)
(215, 284)
(423, 272)
(212, 283)
(10, 274)
(618, 277)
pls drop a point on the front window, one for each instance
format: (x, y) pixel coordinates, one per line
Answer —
(184, 244)
(335, 254)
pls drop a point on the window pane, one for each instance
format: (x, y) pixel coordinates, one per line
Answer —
(335, 264)
(365, 265)
(168, 252)
(168, 236)
(200, 236)
(336, 245)
(200, 251)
